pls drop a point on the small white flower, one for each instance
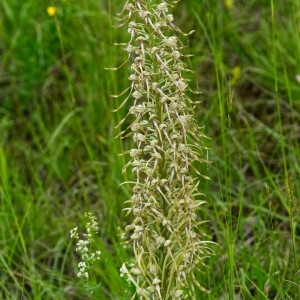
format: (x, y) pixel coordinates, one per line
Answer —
(138, 228)
(135, 152)
(176, 55)
(162, 7)
(137, 109)
(160, 240)
(136, 163)
(74, 233)
(132, 25)
(129, 6)
(83, 274)
(178, 293)
(181, 85)
(123, 269)
(132, 77)
(170, 17)
(82, 264)
(136, 127)
(156, 26)
(144, 14)
(135, 236)
(136, 271)
(171, 41)
(130, 49)
(167, 243)
(141, 137)
(153, 269)
(137, 95)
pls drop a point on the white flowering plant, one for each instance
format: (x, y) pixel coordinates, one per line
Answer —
(165, 233)
(85, 248)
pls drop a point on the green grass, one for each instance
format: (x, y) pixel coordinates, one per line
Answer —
(59, 158)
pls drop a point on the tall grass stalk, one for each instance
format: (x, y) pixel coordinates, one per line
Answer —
(165, 231)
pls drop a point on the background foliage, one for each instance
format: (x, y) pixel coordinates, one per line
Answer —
(59, 158)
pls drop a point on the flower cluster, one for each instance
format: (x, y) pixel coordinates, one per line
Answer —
(165, 234)
(84, 246)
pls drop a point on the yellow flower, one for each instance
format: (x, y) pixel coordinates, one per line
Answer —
(228, 3)
(51, 11)
(236, 74)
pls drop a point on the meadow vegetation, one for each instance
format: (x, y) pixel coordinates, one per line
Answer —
(59, 157)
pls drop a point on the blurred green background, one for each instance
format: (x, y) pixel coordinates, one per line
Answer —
(59, 158)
